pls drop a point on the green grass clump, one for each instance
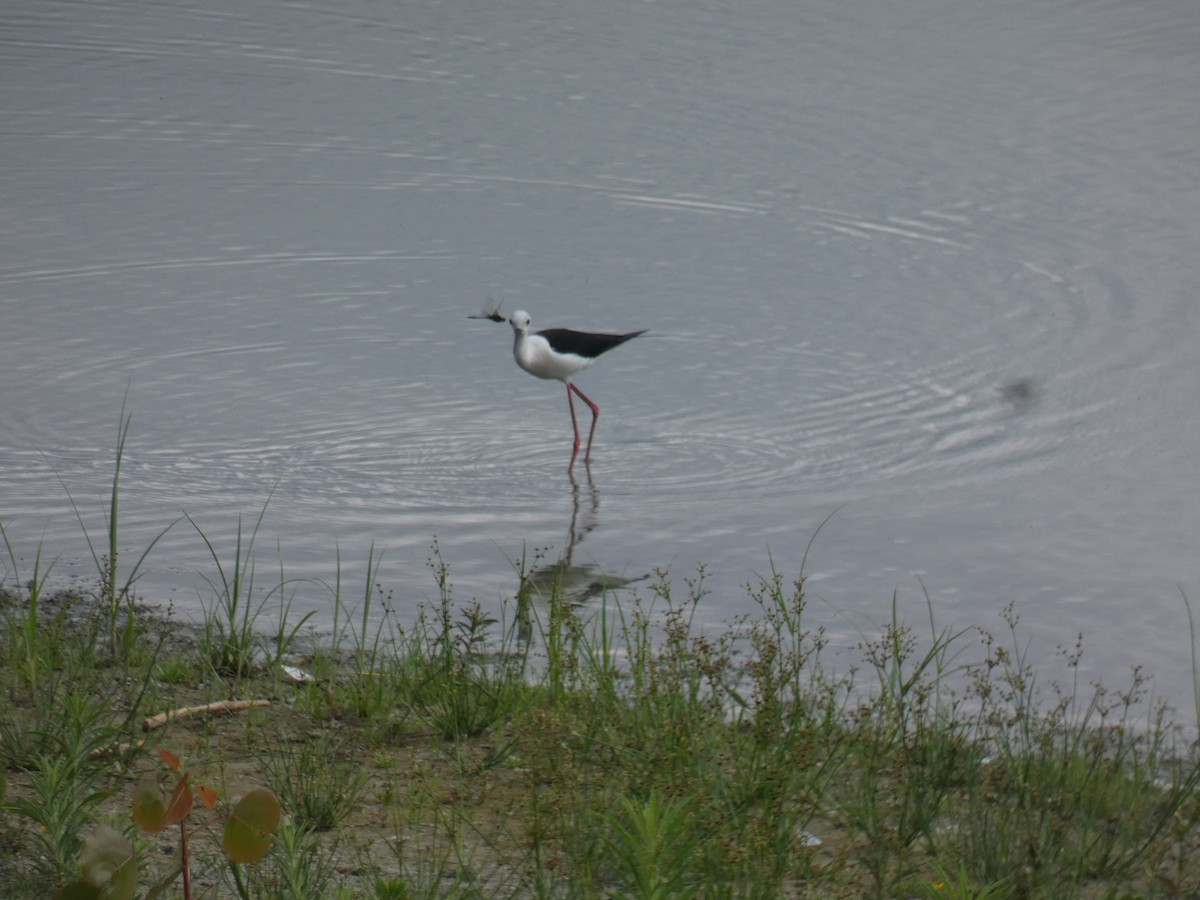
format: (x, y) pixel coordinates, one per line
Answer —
(316, 777)
(642, 757)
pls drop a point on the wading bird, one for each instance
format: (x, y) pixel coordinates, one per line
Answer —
(560, 354)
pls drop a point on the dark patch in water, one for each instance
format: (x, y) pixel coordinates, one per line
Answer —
(1020, 391)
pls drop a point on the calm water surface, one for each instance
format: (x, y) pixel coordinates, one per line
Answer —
(928, 266)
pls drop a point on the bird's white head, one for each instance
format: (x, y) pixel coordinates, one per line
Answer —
(520, 322)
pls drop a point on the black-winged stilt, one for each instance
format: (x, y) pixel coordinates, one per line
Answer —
(560, 354)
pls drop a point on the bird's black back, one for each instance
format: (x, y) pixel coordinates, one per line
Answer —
(584, 343)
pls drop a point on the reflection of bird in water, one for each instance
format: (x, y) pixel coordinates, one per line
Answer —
(560, 354)
(563, 581)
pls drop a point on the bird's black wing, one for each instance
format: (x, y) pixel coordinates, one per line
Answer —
(584, 343)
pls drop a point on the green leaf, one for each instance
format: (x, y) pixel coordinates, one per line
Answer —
(149, 810)
(108, 863)
(250, 825)
(78, 890)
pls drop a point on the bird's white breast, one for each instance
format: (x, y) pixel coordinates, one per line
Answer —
(533, 354)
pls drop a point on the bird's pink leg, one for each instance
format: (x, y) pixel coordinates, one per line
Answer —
(575, 425)
(587, 457)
